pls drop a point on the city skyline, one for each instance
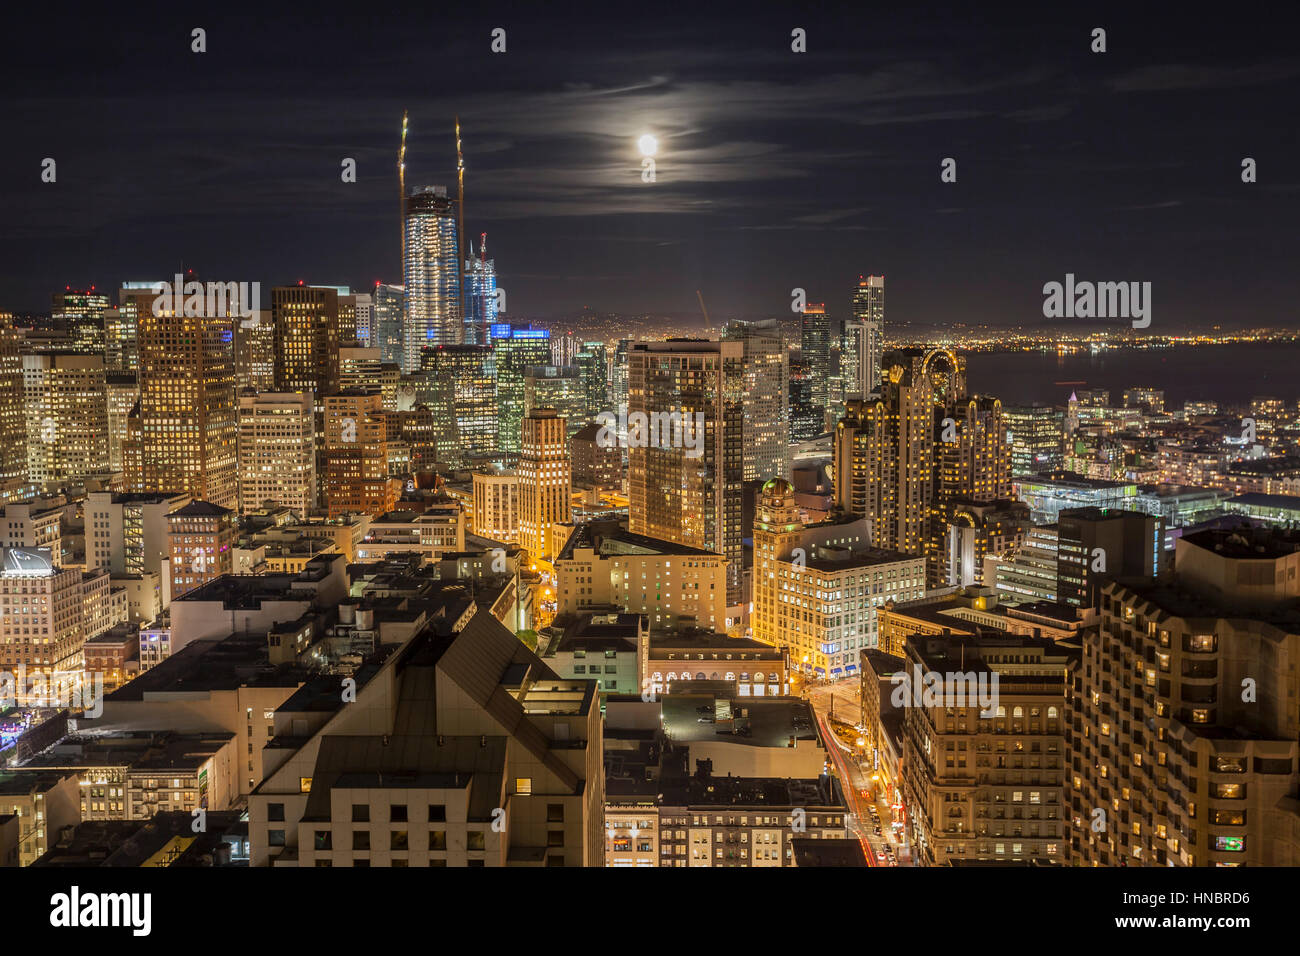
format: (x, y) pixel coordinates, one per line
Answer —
(663, 438)
(775, 170)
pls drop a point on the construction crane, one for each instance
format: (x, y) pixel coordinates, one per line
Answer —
(401, 189)
(700, 296)
(460, 219)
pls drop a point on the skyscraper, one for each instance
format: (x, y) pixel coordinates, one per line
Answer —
(122, 330)
(185, 437)
(356, 454)
(684, 481)
(560, 388)
(80, 316)
(13, 415)
(884, 455)
(277, 451)
(308, 332)
(515, 350)
(972, 469)
(431, 273)
(545, 481)
(767, 399)
(201, 539)
(463, 381)
(815, 351)
(255, 352)
(1034, 432)
(122, 390)
(67, 417)
(807, 419)
(387, 323)
(593, 368)
(480, 296)
(866, 336)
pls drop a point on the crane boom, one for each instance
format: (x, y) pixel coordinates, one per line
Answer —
(401, 189)
(700, 296)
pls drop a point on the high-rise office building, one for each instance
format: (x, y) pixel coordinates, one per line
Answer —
(1184, 718)
(1097, 543)
(971, 530)
(128, 533)
(686, 465)
(1034, 432)
(122, 332)
(185, 437)
(122, 394)
(545, 481)
(388, 323)
(363, 307)
(464, 378)
(277, 451)
(356, 455)
(431, 273)
(597, 463)
(767, 399)
(593, 368)
(480, 296)
(13, 415)
(67, 417)
(618, 375)
(807, 419)
(362, 367)
(815, 351)
(673, 585)
(255, 352)
(308, 332)
(557, 387)
(866, 333)
(515, 350)
(79, 315)
(61, 608)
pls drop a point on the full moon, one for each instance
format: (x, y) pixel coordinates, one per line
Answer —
(648, 145)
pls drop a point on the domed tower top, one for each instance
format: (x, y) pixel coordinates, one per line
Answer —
(777, 489)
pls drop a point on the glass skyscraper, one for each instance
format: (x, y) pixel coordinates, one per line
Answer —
(516, 350)
(388, 324)
(432, 273)
(480, 300)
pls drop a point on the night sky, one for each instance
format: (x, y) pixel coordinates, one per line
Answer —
(775, 169)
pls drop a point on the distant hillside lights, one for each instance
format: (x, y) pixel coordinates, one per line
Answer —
(242, 299)
(656, 430)
(74, 690)
(1098, 300)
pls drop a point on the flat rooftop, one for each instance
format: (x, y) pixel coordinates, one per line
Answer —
(240, 660)
(771, 721)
